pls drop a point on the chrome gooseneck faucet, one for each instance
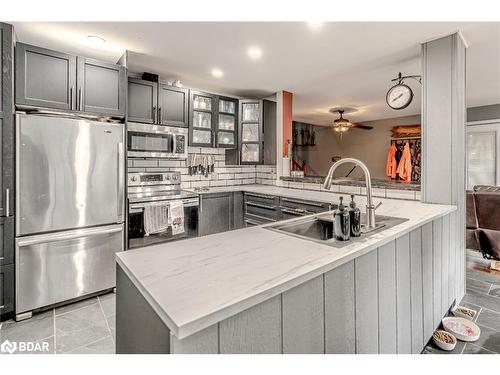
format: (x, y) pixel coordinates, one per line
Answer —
(370, 208)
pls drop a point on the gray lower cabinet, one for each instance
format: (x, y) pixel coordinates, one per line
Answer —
(45, 78)
(372, 304)
(101, 87)
(57, 80)
(216, 213)
(6, 290)
(293, 207)
(260, 208)
(238, 216)
(142, 100)
(6, 240)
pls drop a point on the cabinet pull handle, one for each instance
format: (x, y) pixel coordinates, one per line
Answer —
(7, 202)
(159, 115)
(80, 96)
(260, 205)
(71, 97)
(154, 114)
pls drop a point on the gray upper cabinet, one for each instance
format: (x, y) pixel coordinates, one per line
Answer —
(101, 87)
(56, 80)
(172, 105)
(142, 100)
(45, 78)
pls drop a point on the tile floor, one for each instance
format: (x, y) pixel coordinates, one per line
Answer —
(483, 295)
(84, 327)
(87, 327)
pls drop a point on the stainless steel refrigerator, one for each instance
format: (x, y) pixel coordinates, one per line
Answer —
(70, 208)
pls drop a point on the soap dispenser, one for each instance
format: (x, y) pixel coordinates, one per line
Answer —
(354, 218)
(341, 226)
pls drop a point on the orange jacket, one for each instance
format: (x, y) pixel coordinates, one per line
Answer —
(391, 166)
(404, 167)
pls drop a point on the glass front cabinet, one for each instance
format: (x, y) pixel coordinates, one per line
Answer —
(227, 123)
(250, 131)
(213, 120)
(202, 117)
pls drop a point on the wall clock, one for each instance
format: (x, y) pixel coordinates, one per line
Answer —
(400, 95)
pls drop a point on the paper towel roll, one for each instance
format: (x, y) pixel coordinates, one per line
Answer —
(286, 166)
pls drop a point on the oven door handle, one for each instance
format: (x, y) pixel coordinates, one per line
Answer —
(137, 207)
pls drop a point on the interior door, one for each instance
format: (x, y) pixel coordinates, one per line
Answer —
(45, 78)
(70, 174)
(101, 87)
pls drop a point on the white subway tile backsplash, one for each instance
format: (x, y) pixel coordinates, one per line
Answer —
(218, 183)
(311, 186)
(350, 189)
(145, 163)
(400, 194)
(170, 163)
(200, 183)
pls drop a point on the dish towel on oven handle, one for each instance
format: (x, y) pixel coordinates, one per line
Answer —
(176, 217)
(155, 219)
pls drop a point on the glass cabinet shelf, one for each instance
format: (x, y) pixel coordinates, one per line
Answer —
(226, 106)
(202, 119)
(203, 103)
(227, 122)
(250, 152)
(225, 138)
(250, 112)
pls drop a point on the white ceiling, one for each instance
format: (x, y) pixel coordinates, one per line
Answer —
(339, 64)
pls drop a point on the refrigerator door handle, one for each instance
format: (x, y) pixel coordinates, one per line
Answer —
(120, 184)
(56, 237)
(7, 202)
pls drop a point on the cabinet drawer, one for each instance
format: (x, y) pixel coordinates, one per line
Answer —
(253, 220)
(6, 289)
(269, 200)
(261, 210)
(303, 206)
(6, 240)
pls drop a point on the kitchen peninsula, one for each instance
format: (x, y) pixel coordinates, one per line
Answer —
(256, 290)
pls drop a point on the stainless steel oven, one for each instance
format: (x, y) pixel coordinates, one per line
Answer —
(157, 141)
(149, 189)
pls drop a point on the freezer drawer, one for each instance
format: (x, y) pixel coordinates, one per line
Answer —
(57, 267)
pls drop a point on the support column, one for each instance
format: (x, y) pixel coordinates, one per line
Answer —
(443, 132)
(284, 127)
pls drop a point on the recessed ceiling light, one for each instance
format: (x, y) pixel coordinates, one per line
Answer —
(254, 53)
(315, 25)
(95, 40)
(217, 73)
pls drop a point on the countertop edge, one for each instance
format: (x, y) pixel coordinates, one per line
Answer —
(187, 329)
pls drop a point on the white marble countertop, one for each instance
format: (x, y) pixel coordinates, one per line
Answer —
(198, 282)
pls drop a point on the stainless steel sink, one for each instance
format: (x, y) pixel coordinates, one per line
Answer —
(319, 228)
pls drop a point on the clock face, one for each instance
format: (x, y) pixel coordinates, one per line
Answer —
(399, 96)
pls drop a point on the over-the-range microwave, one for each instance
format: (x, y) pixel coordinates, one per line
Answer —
(157, 141)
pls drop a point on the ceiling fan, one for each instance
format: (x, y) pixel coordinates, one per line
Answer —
(341, 125)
